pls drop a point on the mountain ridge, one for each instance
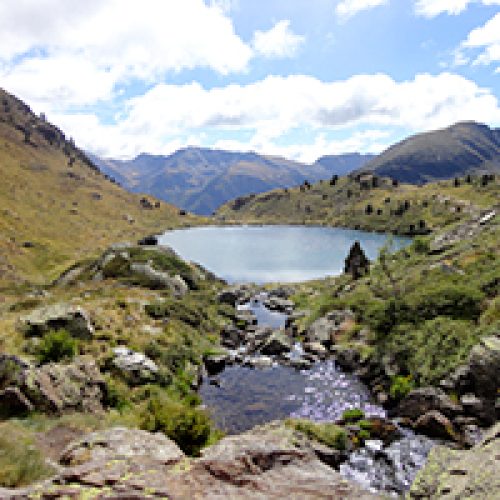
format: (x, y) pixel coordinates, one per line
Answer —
(201, 179)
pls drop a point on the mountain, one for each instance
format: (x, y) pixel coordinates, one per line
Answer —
(463, 148)
(202, 179)
(55, 204)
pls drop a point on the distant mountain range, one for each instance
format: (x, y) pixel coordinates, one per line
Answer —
(464, 148)
(200, 180)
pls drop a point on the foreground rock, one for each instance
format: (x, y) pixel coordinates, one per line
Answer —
(265, 463)
(461, 474)
(324, 330)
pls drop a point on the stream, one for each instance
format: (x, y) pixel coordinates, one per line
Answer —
(241, 397)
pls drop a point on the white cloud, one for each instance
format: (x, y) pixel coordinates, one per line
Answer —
(270, 109)
(486, 38)
(279, 41)
(432, 8)
(349, 8)
(110, 42)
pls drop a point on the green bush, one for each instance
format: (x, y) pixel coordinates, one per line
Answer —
(421, 245)
(188, 426)
(116, 394)
(353, 415)
(401, 386)
(20, 462)
(56, 345)
(329, 434)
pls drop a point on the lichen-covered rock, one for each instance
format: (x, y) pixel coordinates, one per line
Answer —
(120, 442)
(452, 474)
(276, 343)
(57, 388)
(266, 463)
(325, 329)
(425, 399)
(74, 319)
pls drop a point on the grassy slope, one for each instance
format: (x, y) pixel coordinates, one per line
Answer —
(323, 204)
(46, 201)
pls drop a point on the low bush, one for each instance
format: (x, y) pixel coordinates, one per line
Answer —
(20, 462)
(56, 345)
(188, 426)
(401, 386)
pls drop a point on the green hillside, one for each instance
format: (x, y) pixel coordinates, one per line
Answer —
(368, 202)
(55, 205)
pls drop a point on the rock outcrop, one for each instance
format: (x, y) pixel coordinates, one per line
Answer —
(269, 462)
(55, 389)
(71, 318)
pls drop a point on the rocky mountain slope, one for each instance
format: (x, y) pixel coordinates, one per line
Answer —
(461, 149)
(368, 202)
(55, 205)
(201, 179)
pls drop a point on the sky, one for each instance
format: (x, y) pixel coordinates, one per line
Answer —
(296, 78)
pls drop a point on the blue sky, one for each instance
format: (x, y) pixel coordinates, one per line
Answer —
(298, 78)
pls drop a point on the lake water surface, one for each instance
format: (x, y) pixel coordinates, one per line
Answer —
(262, 254)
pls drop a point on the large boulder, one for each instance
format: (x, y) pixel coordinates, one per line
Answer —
(55, 388)
(461, 474)
(72, 318)
(484, 367)
(426, 399)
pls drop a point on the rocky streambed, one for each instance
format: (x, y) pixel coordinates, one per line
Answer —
(266, 374)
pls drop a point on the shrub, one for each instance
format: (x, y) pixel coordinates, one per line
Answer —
(401, 386)
(189, 427)
(329, 434)
(353, 415)
(116, 393)
(421, 245)
(56, 345)
(20, 462)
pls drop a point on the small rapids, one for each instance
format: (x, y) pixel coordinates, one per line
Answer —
(241, 397)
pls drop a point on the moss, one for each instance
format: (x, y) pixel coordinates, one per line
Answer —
(401, 386)
(353, 415)
(328, 434)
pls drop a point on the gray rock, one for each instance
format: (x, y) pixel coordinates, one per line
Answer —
(215, 363)
(325, 329)
(74, 319)
(425, 399)
(484, 366)
(136, 367)
(159, 279)
(277, 343)
(435, 424)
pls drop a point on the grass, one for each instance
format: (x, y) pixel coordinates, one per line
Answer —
(328, 434)
(349, 204)
(66, 213)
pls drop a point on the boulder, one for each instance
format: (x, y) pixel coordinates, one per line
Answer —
(56, 388)
(325, 329)
(315, 348)
(425, 399)
(484, 367)
(229, 296)
(120, 443)
(150, 240)
(74, 319)
(215, 363)
(152, 278)
(13, 403)
(435, 424)
(136, 367)
(232, 337)
(461, 473)
(277, 343)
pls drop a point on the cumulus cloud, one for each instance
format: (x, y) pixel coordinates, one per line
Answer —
(487, 39)
(432, 8)
(279, 41)
(111, 42)
(348, 8)
(270, 109)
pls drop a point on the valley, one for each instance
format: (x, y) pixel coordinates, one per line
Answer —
(128, 367)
